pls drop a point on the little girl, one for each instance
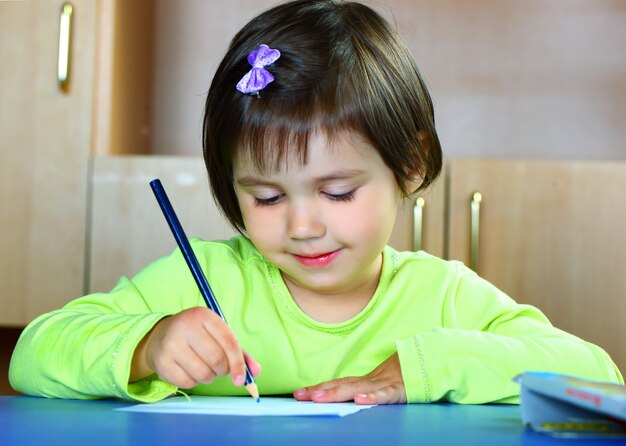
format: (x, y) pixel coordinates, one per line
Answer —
(317, 126)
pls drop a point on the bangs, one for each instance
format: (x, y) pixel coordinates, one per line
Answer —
(275, 132)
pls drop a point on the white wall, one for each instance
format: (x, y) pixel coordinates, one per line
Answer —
(533, 79)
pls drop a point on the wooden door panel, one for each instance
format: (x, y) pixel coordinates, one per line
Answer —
(128, 230)
(45, 139)
(552, 235)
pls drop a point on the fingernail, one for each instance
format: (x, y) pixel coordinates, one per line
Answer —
(362, 395)
(319, 393)
(300, 393)
(239, 380)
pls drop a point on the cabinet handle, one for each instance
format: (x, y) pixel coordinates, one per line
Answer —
(65, 36)
(475, 229)
(418, 223)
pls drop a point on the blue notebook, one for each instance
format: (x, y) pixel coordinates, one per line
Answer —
(569, 406)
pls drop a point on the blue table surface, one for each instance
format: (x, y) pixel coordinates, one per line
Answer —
(28, 420)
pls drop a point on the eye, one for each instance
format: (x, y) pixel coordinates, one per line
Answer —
(348, 196)
(271, 201)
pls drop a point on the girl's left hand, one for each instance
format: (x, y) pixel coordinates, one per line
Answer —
(384, 385)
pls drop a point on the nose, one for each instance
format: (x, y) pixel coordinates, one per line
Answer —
(305, 221)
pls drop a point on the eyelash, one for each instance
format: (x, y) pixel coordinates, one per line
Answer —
(266, 201)
(348, 196)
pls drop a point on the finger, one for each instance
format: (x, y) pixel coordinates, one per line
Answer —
(196, 367)
(302, 395)
(220, 349)
(223, 352)
(208, 350)
(343, 390)
(383, 395)
(177, 376)
(233, 355)
(253, 365)
(306, 393)
(334, 395)
(217, 343)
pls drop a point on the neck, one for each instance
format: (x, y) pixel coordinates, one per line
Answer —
(335, 306)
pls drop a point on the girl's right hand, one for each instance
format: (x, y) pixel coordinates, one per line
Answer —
(189, 348)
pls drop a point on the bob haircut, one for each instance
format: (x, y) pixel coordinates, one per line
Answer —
(342, 68)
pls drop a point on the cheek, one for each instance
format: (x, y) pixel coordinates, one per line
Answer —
(371, 217)
(260, 224)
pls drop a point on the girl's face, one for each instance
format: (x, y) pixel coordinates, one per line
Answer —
(323, 224)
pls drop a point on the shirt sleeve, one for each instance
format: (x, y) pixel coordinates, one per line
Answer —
(486, 339)
(84, 350)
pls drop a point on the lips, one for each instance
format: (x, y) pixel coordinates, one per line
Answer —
(317, 260)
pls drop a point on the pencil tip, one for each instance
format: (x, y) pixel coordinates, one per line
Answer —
(254, 392)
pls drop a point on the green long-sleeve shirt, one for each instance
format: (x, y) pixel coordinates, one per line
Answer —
(458, 337)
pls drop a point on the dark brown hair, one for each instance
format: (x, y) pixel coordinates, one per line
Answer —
(342, 67)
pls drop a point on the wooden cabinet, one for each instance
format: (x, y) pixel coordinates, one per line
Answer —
(551, 235)
(44, 150)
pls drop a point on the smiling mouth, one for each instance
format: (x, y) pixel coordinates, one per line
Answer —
(318, 260)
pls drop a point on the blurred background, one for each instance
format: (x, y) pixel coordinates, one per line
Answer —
(535, 79)
(530, 104)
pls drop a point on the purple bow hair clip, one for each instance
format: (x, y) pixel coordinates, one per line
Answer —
(258, 77)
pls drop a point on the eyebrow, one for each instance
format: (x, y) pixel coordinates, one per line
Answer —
(336, 175)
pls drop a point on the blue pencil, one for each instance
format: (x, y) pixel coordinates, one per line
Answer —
(194, 266)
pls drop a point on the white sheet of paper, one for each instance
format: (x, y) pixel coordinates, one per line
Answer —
(246, 406)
